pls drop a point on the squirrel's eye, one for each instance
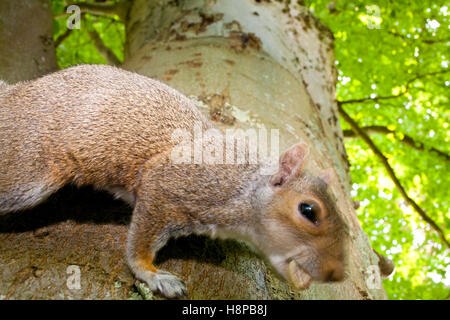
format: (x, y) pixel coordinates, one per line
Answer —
(308, 211)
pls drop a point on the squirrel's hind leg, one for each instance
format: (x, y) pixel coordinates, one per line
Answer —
(145, 237)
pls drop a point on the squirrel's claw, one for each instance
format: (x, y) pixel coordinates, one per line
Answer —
(166, 284)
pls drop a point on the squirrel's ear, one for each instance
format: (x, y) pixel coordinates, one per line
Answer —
(327, 176)
(291, 164)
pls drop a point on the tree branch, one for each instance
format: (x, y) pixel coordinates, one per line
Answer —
(407, 86)
(426, 41)
(62, 37)
(105, 8)
(103, 50)
(375, 99)
(355, 127)
(406, 139)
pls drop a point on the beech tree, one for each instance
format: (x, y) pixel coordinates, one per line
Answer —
(245, 63)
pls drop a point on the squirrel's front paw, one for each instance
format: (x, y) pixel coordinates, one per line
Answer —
(166, 284)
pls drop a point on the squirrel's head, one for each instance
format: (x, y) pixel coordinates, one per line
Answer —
(300, 229)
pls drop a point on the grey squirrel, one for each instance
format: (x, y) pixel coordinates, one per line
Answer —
(111, 128)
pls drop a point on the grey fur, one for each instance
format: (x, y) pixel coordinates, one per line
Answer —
(110, 128)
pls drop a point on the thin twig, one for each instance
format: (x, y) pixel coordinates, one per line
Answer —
(103, 50)
(406, 139)
(374, 99)
(105, 8)
(355, 127)
(407, 86)
(62, 37)
(426, 41)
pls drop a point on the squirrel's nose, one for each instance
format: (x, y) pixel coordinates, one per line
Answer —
(334, 272)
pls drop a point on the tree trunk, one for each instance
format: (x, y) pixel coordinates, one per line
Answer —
(245, 63)
(26, 40)
(252, 63)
